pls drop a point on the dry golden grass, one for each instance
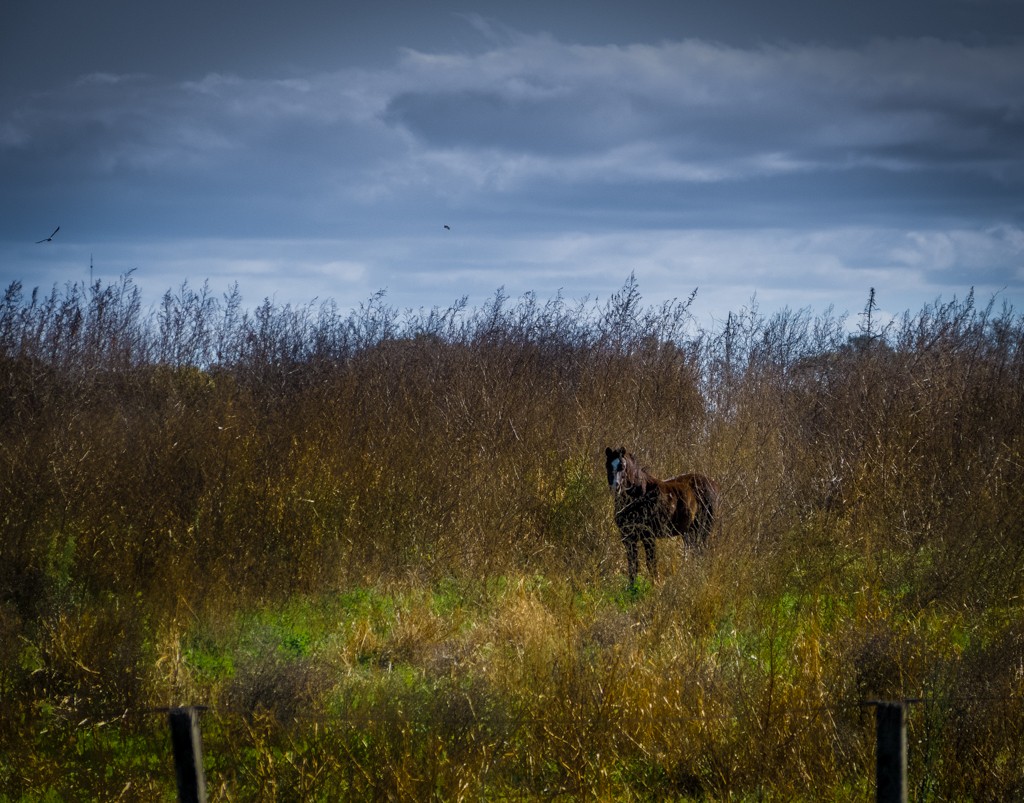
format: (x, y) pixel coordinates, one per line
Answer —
(380, 548)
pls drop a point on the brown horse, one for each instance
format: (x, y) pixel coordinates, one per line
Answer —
(647, 508)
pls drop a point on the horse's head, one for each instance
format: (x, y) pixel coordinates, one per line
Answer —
(614, 464)
(623, 472)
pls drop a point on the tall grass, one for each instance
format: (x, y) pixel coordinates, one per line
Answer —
(377, 544)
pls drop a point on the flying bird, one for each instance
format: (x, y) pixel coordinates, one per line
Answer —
(445, 225)
(48, 239)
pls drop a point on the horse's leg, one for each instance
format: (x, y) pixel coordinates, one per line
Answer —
(695, 534)
(632, 559)
(706, 524)
(650, 554)
(707, 515)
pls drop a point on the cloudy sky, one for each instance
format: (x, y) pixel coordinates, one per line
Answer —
(800, 151)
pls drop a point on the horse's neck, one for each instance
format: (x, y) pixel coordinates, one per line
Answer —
(636, 497)
(641, 482)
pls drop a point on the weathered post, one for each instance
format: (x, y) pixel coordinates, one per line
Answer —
(891, 752)
(187, 743)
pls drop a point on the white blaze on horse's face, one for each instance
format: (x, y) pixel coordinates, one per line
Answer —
(617, 468)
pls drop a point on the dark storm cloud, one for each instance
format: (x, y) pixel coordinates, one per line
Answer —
(754, 160)
(475, 118)
(713, 112)
(538, 108)
(221, 142)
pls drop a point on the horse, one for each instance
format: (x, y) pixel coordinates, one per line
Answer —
(647, 508)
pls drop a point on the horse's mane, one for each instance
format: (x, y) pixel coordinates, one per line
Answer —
(638, 475)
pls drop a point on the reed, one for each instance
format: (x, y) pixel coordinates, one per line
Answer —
(379, 546)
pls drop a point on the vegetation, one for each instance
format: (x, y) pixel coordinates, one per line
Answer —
(378, 546)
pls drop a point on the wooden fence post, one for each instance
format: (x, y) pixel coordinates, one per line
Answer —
(891, 752)
(187, 743)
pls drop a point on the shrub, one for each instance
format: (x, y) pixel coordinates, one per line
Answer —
(423, 494)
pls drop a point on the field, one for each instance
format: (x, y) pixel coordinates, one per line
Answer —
(378, 546)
